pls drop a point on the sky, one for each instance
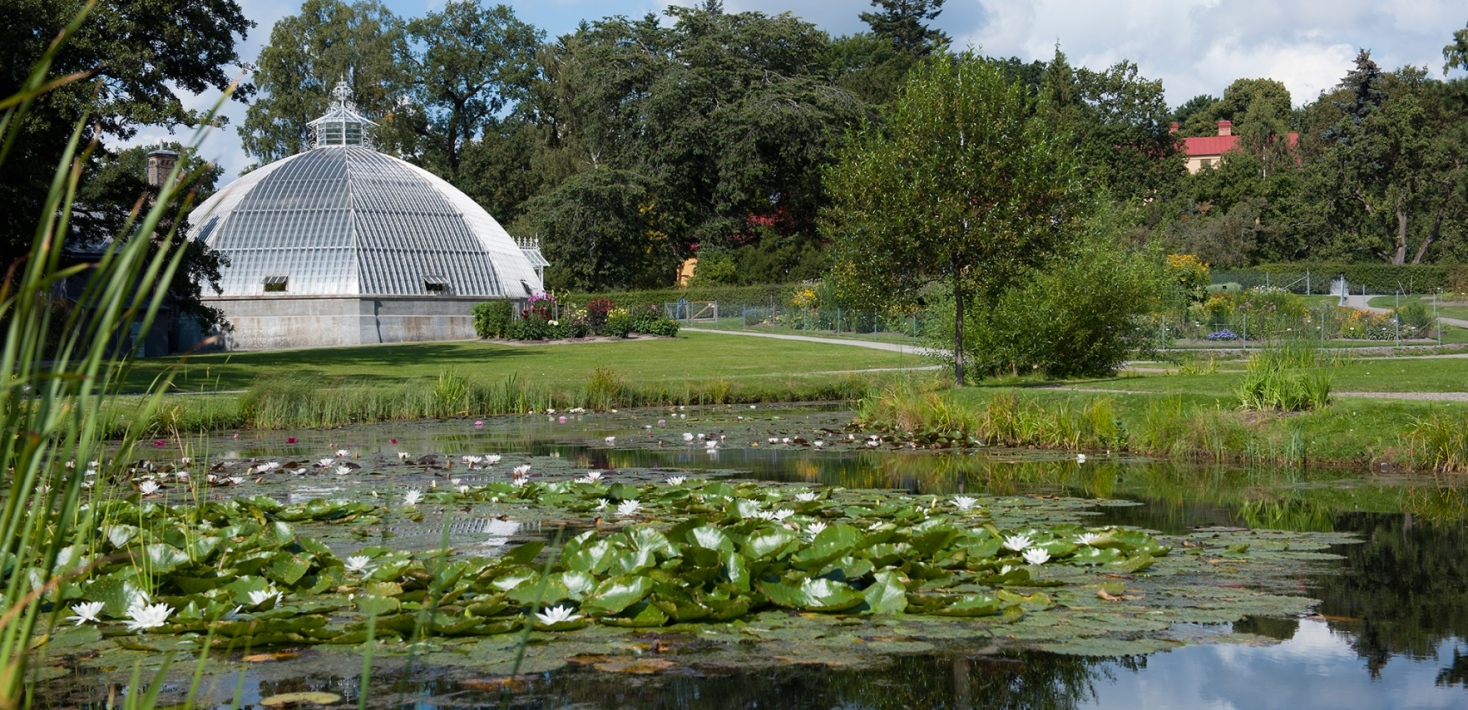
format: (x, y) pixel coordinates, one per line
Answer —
(1193, 46)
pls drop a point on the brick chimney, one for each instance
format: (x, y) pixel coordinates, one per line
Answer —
(160, 166)
(1172, 128)
(1225, 128)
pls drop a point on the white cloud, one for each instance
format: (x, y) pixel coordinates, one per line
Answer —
(1200, 46)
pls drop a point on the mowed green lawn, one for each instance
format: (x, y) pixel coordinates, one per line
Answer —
(690, 356)
(1405, 374)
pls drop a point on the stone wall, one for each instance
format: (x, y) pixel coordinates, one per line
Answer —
(271, 323)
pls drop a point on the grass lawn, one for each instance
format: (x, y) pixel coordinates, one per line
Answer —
(690, 356)
(1348, 431)
(1456, 309)
(1385, 375)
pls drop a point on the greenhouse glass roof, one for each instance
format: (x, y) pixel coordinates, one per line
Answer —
(343, 219)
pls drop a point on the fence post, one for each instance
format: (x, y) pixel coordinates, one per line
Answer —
(1246, 331)
(1307, 282)
(838, 320)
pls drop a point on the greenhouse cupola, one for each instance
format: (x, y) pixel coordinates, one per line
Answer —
(343, 245)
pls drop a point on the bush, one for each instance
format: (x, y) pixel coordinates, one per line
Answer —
(532, 326)
(1377, 278)
(492, 318)
(596, 313)
(619, 324)
(1074, 318)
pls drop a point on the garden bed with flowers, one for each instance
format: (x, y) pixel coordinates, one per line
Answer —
(544, 318)
(1263, 313)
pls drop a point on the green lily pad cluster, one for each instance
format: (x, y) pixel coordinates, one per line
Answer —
(680, 553)
(716, 551)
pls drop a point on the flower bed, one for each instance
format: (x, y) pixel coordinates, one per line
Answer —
(544, 318)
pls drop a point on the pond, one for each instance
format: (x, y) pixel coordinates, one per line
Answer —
(1390, 629)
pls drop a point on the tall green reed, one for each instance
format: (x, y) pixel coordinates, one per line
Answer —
(54, 389)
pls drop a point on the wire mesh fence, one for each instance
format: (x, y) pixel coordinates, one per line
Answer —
(1324, 324)
(775, 317)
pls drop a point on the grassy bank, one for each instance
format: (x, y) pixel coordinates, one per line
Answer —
(690, 357)
(339, 386)
(1194, 425)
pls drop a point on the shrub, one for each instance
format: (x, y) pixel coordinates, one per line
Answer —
(492, 318)
(532, 326)
(596, 313)
(619, 324)
(1075, 318)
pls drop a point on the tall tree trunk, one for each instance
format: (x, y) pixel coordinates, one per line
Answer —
(1437, 226)
(957, 329)
(1400, 257)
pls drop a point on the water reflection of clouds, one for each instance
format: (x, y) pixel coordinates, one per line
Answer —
(1317, 668)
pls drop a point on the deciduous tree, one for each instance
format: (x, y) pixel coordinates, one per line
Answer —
(964, 186)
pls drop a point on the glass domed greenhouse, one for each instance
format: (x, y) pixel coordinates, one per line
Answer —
(343, 245)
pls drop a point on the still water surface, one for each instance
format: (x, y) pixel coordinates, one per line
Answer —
(1391, 630)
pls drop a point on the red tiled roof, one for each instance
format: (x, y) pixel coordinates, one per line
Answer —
(1208, 146)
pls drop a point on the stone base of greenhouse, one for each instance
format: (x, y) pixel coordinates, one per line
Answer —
(271, 323)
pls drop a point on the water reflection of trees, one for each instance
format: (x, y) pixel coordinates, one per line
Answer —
(1405, 590)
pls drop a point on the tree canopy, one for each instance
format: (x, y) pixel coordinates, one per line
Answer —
(964, 184)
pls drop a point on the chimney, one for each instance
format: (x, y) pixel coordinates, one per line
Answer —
(1173, 128)
(1225, 128)
(160, 166)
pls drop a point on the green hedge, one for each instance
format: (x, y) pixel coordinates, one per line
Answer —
(743, 295)
(1377, 278)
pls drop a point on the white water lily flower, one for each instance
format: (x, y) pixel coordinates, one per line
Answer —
(86, 611)
(412, 497)
(763, 515)
(234, 480)
(182, 475)
(357, 564)
(628, 508)
(774, 440)
(785, 440)
(148, 488)
(1036, 556)
(611, 440)
(326, 463)
(1006, 569)
(687, 436)
(521, 471)
(471, 460)
(1080, 458)
(343, 470)
(148, 617)
(814, 529)
(676, 480)
(463, 489)
(1018, 543)
(782, 514)
(875, 525)
(1089, 538)
(260, 596)
(343, 453)
(964, 502)
(556, 615)
(402, 456)
(591, 477)
(602, 503)
(491, 459)
(806, 496)
(298, 472)
(820, 444)
(711, 444)
(518, 482)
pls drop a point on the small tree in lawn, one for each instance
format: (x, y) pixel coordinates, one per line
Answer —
(963, 185)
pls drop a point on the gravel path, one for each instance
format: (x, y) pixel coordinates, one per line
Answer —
(1362, 302)
(871, 344)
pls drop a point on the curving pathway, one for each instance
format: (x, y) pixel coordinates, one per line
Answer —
(1363, 303)
(871, 344)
